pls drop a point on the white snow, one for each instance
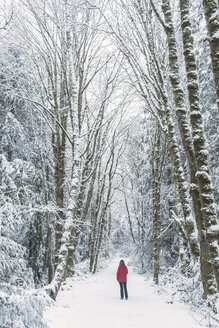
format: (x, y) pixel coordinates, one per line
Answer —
(94, 302)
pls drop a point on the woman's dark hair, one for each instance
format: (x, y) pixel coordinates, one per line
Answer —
(121, 262)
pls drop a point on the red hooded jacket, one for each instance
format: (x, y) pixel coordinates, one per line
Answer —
(122, 273)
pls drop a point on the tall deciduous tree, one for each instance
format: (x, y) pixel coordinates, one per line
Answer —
(209, 226)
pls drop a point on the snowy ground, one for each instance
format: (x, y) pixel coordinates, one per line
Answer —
(95, 302)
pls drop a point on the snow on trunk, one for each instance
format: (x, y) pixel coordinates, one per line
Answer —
(201, 153)
(186, 226)
(66, 253)
(158, 159)
(67, 249)
(212, 18)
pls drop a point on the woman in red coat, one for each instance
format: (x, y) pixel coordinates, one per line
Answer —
(122, 279)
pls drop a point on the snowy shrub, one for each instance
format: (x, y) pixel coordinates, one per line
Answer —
(22, 308)
(13, 223)
(13, 262)
(189, 290)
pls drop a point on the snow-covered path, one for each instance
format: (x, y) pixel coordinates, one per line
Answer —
(95, 303)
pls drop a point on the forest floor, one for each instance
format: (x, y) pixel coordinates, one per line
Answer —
(94, 302)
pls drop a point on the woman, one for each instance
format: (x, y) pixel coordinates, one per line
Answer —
(122, 279)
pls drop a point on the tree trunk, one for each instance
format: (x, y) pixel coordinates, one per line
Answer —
(156, 169)
(67, 248)
(101, 211)
(59, 154)
(209, 224)
(212, 18)
(48, 259)
(129, 216)
(92, 237)
(190, 251)
(180, 181)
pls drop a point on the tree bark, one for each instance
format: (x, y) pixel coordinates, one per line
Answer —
(59, 143)
(209, 226)
(212, 18)
(67, 250)
(156, 185)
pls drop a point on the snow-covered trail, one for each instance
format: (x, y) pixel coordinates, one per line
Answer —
(95, 303)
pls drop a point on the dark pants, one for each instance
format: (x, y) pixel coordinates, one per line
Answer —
(123, 289)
